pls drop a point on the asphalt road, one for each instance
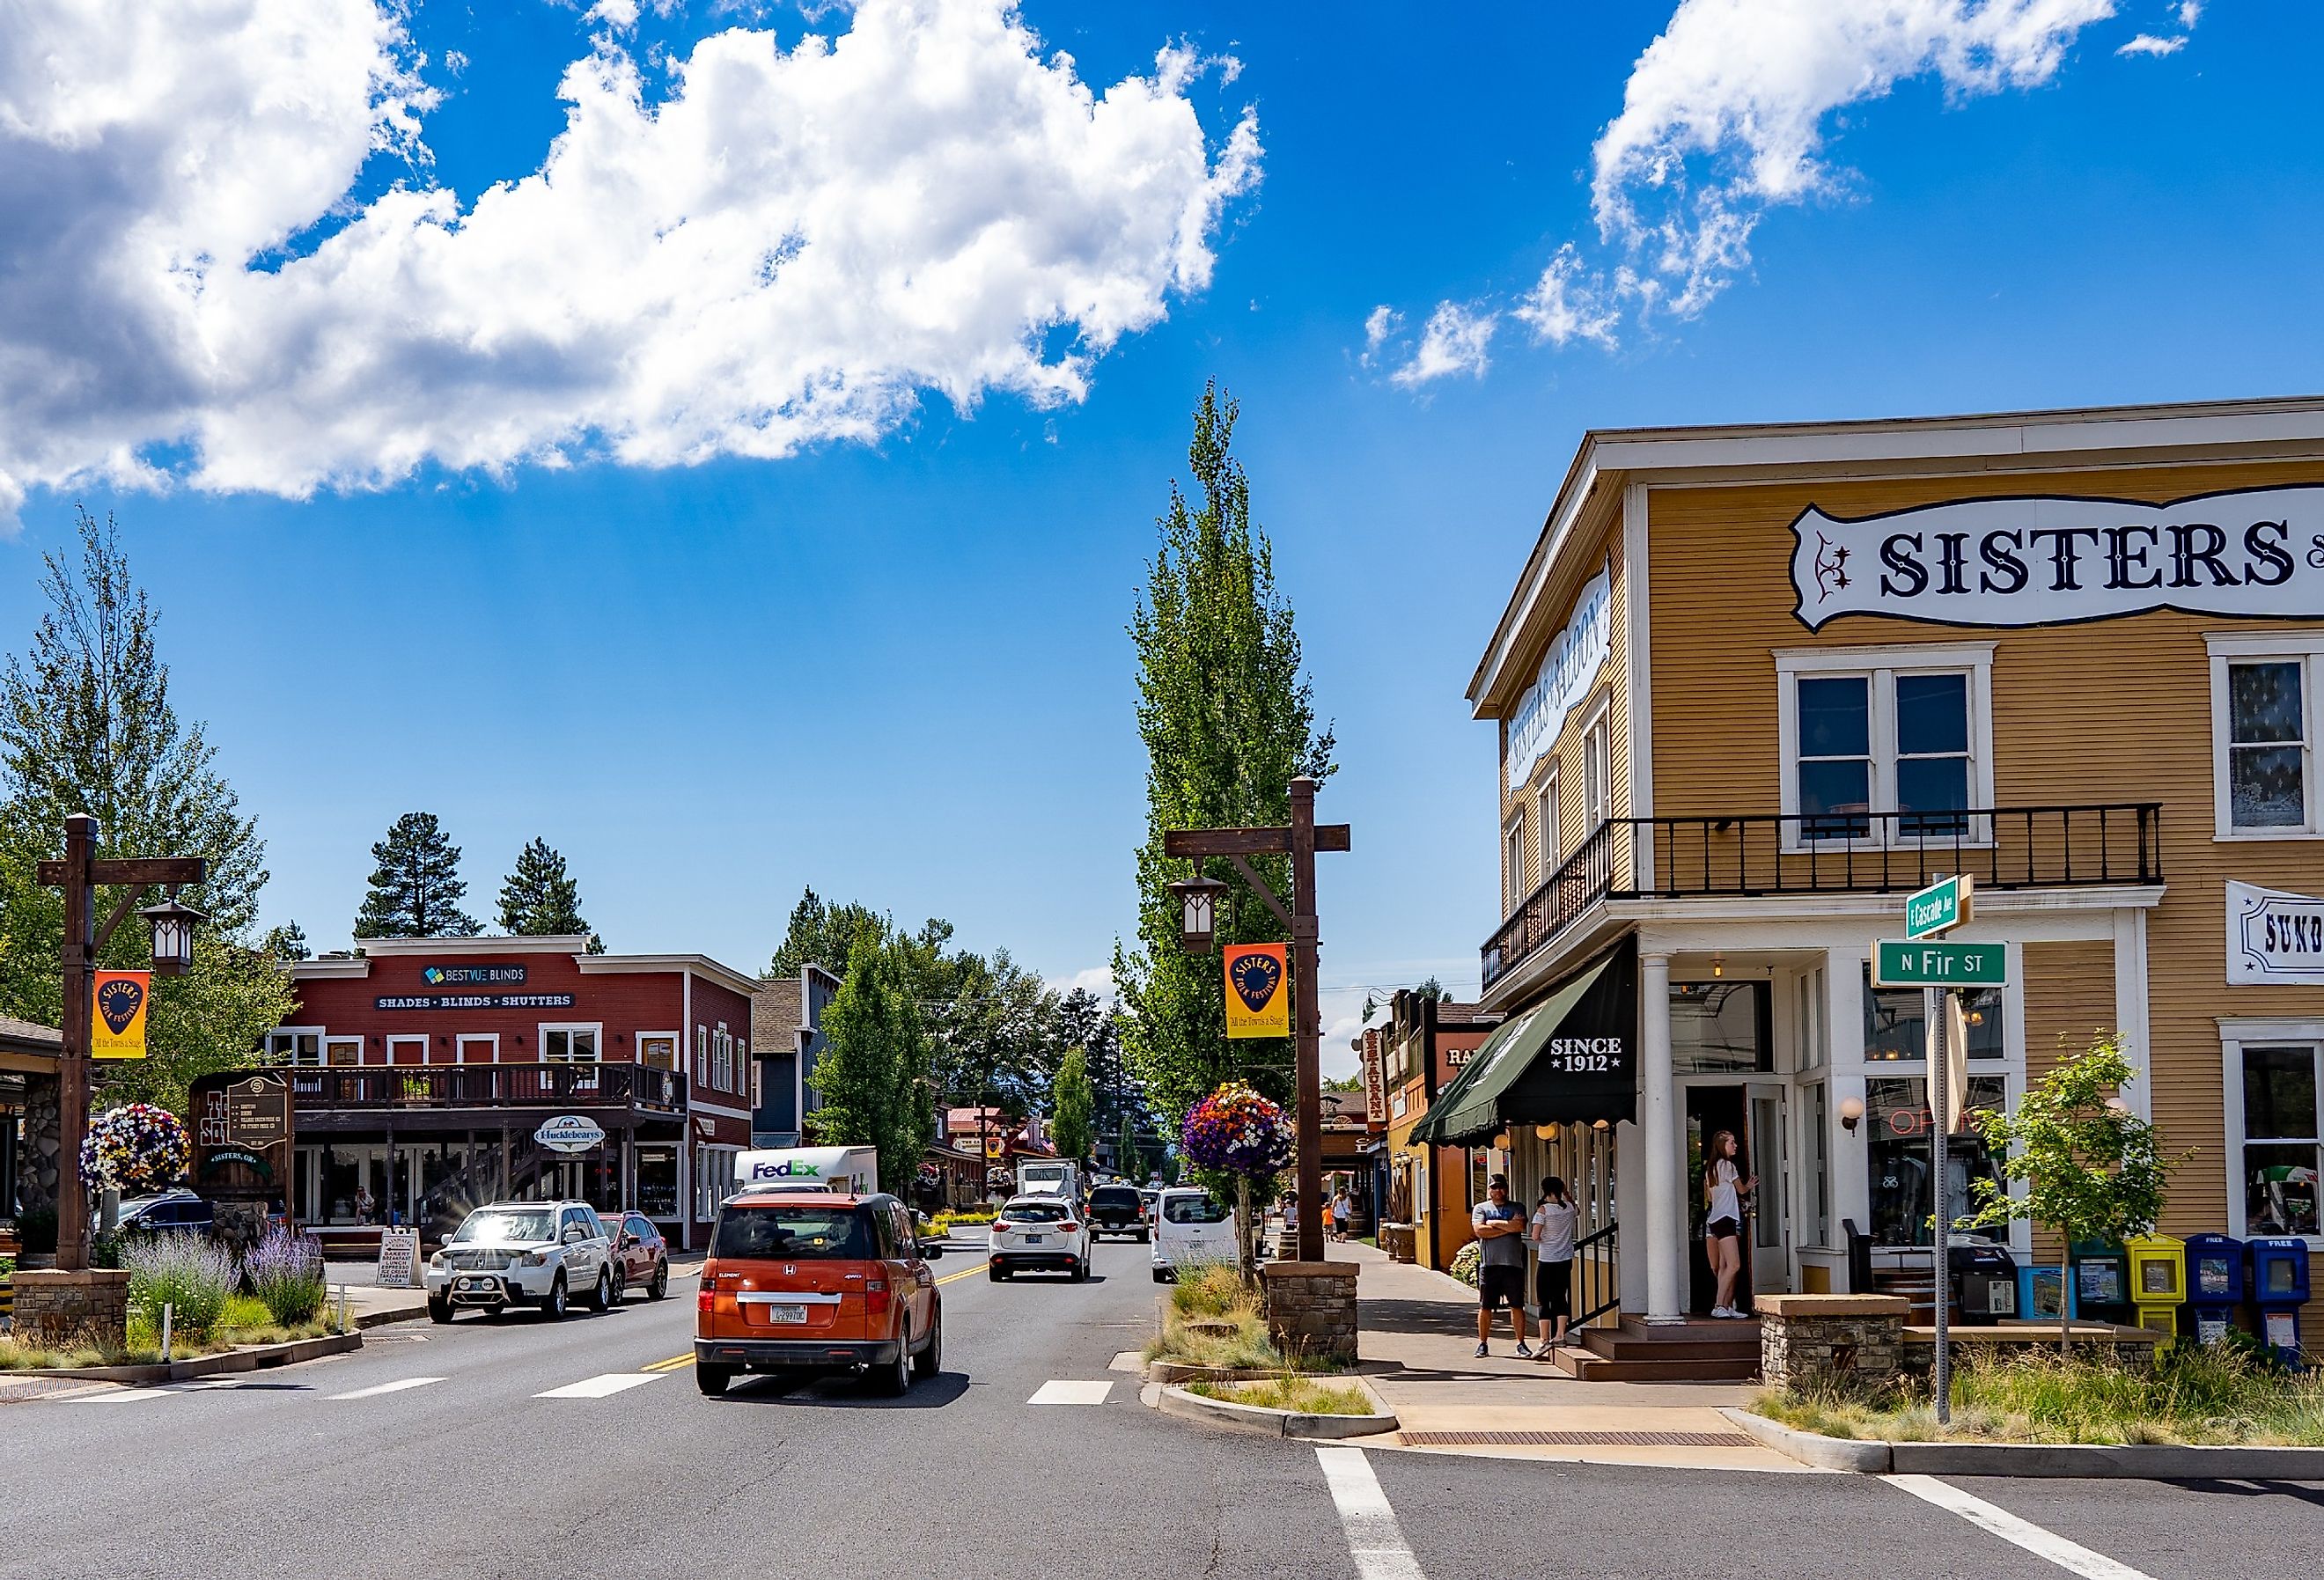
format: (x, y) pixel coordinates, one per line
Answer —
(633, 1473)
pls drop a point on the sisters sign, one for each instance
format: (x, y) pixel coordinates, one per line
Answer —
(2045, 560)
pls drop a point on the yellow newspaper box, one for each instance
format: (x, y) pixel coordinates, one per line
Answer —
(2158, 1280)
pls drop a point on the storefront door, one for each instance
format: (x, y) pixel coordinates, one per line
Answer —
(1769, 1225)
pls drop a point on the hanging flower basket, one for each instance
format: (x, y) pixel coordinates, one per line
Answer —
(1236, 1129)
(134, 1149)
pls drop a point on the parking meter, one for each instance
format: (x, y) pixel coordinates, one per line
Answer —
(2214, 1285)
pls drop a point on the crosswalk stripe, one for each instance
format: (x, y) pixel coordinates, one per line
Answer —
(599, 1387)
(397, 1386)
(1060, 1392)
(2072, 1557)
(1375, 1540)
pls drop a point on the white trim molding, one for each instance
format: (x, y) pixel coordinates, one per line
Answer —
(1879, 668)
(2237, 1032)
(2304, 648)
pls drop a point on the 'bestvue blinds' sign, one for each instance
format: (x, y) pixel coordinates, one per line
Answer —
(2046, 560)
(2273, 936)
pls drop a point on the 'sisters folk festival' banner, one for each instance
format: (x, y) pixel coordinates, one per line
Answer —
(118, 1028)
(1259, 1004)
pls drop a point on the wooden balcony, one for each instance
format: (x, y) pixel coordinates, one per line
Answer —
(1834, 853)
(639, 1088)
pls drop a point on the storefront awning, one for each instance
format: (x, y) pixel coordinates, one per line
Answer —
(1568, 1061)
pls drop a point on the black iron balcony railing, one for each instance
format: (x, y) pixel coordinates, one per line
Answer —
(489, 1086)
(1833, 853)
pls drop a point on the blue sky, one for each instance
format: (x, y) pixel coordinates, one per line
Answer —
(891, 661)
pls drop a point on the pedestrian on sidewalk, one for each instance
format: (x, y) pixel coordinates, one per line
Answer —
(1500, 1227)
(1342, 1209)
(1724, 1190)
(1552, 1233)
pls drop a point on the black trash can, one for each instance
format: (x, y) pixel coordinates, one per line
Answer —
(1985, 1282)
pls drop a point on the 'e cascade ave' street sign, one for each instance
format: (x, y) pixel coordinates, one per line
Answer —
(1942, 905)
(1906, 962)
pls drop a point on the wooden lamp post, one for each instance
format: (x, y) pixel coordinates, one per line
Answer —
(78, 875)
(1198, 897)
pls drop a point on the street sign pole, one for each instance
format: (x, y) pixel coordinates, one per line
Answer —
(1935, 1009)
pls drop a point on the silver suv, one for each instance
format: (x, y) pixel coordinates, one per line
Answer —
(524, 1253)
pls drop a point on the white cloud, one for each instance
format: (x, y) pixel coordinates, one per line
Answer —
(771, 249)
(1453, 342)
(2189, 11)
(2147, 44)
(1096, 979)
(1567, 303)
(1379, 325)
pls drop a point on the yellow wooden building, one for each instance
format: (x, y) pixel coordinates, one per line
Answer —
(1754, 684)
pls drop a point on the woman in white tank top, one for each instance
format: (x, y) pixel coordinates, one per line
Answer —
(1724, 1191)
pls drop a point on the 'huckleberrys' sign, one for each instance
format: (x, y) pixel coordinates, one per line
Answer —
(2044, 559)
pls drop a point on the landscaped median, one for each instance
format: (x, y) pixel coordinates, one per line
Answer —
(1214, 1360)
(2192, 1411)
(1284, 1407)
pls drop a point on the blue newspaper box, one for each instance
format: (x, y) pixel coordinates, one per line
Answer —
(2041, 1292)
(2278, 1287)
(2214, 1285)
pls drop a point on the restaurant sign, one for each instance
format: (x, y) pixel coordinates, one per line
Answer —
(1566, 673)
(2273, 936)
(1375, 1087)
(2051, 560)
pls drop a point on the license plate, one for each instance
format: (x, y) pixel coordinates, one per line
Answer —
(785, 1314)
(1032, 1239)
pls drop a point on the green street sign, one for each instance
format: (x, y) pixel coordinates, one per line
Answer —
(1909, 962)
(1942, 904)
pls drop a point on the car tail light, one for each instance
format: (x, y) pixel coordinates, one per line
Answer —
(703, 1299)
(1069, 1228)
(875, 1296)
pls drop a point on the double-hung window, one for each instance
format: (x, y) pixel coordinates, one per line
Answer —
(2275, 1126)
(2263, 736)
(1513, 865)
(1546, 834)
(1886, 745)
(1597, 774)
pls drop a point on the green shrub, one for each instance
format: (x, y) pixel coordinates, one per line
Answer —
(183, 1272)
(1303, 1394)
(285, 1270)
(1467, 1260)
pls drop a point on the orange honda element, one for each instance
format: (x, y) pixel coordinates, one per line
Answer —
(804, 1280)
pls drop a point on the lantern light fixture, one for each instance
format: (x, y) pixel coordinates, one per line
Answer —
(1851, 1112)
(1198, 898)
(173, 935)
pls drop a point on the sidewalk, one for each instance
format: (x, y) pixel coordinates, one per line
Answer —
(1416, 1339)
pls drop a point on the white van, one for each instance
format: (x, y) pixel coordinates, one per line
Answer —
(851, 1170)
(1058, 1177)
(1190, 1225)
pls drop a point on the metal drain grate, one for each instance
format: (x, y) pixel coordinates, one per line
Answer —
(1574, 1439)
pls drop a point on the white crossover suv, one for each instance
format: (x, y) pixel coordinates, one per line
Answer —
(524, 1253)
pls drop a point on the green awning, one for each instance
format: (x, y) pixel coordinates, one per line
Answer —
(1586, 1028)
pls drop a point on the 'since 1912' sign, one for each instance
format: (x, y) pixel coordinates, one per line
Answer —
(2044, 560)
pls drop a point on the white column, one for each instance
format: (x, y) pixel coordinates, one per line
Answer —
(1665, 1236)
(1851, 1188)
(2132, 1023)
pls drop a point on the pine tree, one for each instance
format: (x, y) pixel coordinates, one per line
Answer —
(416, 890)
(87, 724)
(871, 1078)
(287, 942)
(1075, 1098)
(1228, 721)
(538, 900)
(822, 933)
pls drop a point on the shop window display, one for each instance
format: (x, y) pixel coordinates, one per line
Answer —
(1900, 1157)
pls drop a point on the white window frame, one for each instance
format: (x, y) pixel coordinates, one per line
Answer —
(2305, 649)
(464, 1041)
(1547, 836)
(294, 1033)
(1513, 848)
(343, 1038)
(595, 1029)
(419, 1037)
(2236, 1034)
(1598, 769)
(676, 1041)
(1879, 667)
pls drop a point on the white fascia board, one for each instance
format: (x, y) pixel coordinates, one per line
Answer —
(327, 970)
(702, 965)
(479, 944)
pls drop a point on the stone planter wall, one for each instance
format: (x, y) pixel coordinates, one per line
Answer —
(1311, 1307)
(37, 1168)
(1853, 1342)
(55, 1307)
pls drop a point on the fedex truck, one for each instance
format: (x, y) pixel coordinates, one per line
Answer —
(1056, 1176)
(848, 1169)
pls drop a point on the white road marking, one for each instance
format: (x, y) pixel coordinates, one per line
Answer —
(155, 1391)
(1071, 1393)
(1375, 1540)
(397, 1386)
(2069, 1555)
(611, 1383)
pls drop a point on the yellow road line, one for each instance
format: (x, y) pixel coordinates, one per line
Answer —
(966, 1272)
(672, 1364)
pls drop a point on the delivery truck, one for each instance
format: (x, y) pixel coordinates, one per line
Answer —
(850, 1170)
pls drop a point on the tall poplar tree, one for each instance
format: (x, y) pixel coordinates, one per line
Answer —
(540, 900)
(416, 889)
(1075, 1102)
(87, 724)
(1229, 721)
(871, 1078)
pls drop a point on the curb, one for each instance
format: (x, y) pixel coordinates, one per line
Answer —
(381, 1317)
(253, 1359)
(1272, 1423)
(2163, 1461)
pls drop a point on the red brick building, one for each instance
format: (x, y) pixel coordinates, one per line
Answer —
(425, 1065)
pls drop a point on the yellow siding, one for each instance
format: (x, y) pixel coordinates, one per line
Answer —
(2069, 1003)
(2111, 711)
